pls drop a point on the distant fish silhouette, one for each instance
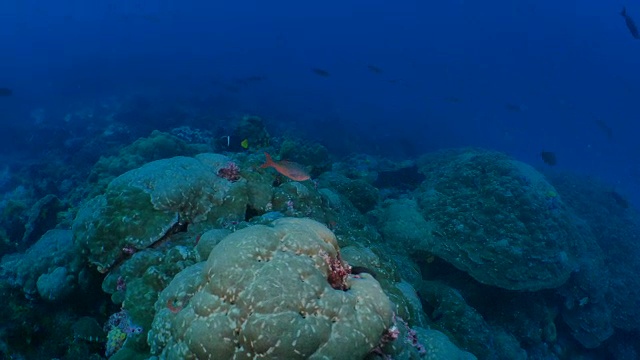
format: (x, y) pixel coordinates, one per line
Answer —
(321, 72)
(619, 199)
(6, 92)
(246, 81)
(453, 99)
(233, 88)
(631, 25)
(513, 107)
(605, 128)
(236, 85)
(374, 69)
(549, 158)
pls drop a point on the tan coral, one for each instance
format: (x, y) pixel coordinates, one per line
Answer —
(263, 293)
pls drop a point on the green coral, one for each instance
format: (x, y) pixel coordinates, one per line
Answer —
(465, 326)
(491, 217)
(310, 154)
(157, 146)
(264, 292)
(402, 225)
(50, 268)
(143, 205)
(115, 340)
(251, 128)
(359, 192)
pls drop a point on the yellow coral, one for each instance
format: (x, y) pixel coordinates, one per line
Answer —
(115, 339)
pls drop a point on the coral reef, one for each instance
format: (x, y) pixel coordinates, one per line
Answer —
(252, 129)
(461, 254)
(43, 216)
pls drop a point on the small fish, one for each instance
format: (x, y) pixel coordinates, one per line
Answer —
(289, 169)
(549, 158)
(608, 131)
(453, 100)
(513, 107)
(246, 81)
(232, 88)
(374, 69)
(6, 92)
(619, 199)
(321, 72)
(631, 25)
(228, 138)
(245, 144)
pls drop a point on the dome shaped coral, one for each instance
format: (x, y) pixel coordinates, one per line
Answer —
(264, 292)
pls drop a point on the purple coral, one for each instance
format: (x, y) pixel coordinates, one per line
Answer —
(121, 284)
(412, 336)
(412, 339)
(122, 320)
(393, 333)
(231, 172)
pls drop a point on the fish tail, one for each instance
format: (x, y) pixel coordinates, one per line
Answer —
(624, 11)
(268, 162)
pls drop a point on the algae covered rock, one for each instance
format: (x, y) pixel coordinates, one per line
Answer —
(401, 224)
(50, 268)
(142, 206)
(497, 219)
(464, 325)
(156, 146)
(358, 191)
(264, 292)
(423, 343)
(252, 129)
(43, 216)
(616, 228)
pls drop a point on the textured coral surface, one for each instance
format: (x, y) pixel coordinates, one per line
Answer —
(264, 292)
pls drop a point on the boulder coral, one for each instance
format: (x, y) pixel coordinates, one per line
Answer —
(264, 292)
(145, 205)
(497, 219)
(50, 268)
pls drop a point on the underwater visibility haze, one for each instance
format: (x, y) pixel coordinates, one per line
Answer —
(336, 180)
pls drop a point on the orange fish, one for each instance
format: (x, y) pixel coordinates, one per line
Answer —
(289, 169)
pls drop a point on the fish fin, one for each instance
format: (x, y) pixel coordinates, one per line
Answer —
(624, 11)
(268, 162)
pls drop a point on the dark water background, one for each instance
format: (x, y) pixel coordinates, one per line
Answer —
(519, 77)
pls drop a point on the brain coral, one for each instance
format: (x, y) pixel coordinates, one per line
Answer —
(141, 206)
(264, 293)
(497, 219)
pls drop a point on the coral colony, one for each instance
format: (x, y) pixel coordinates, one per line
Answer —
(212, 263)
(230, 171)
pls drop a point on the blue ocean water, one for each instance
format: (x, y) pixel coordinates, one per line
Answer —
(378, 84)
